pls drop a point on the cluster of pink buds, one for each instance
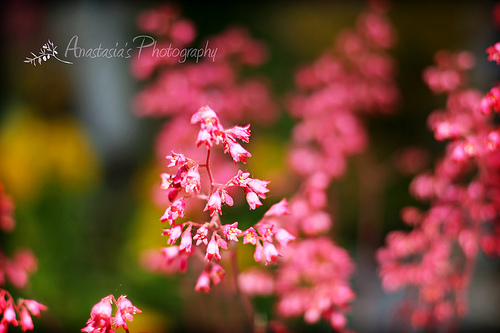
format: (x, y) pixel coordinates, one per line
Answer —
(211, 236)
(437, 257)
(101, 319)
(24, 307)
(16, 271)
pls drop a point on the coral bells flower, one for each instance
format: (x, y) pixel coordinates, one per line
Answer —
(174, 211)
(214, 204)
(191, 181)
(173, 233)
(26, 321)
(238, 153)
(34, 307)
(100, 316)
(278, 209)
(494, 53)
(126, 311)
(241, 179)
(203, 283)
(176, 159)
(217, 274)
(491, 101)
(211, 131)
(231, 231)
(9, 316)
(186, 241)
(101, 319)
(242, 133)
(212, 249)
(252, 199)
(201, 235)
(270, 252)
(250, 236)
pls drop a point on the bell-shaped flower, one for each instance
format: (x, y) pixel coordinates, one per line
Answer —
(231, 231)
(250, 236)
(174, 211)
(278, 209)
(284, 237)
(203, 283)
(212, 249)
(237, 152)
(252, 199)
(270, 252)
(214, 204)
(126, 311)
(201, 235)
(186, 241)
(217, 273)
(242, 133)
(173, 233)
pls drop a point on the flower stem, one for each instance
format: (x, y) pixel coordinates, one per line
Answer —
(209, 171)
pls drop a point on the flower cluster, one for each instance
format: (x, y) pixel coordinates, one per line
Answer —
(173, 86)
(24, 307)
(354, 77)
(101, 319)
(438, 256)
(16, 271)
(213, 235)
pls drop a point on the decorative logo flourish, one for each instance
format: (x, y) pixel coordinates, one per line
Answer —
(47, 51)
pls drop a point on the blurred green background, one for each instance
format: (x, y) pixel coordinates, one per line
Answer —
(80, 165)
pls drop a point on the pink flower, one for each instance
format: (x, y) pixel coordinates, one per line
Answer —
(174, 211)
(34, 307)
(125, 312)
(252, 199)
(266, 231)
(217, 274)
(176, 159)
(242, 133)
(26, 321)
(241, 179)
(191, 181)
(284, 237)
(9, 316)
(236, 150)
(173, 233)
(203, 283)
(250, 236)
(186, 241)
(494, 53)
(270, 252)
(205, 137)
(170, 253)
(231, 231)
(225, 197)
(212, 249)
(211, 130)
(259, 187)
(221, 242)
(214, 204)
(278, 209)
(100, 317)
(201, 235)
